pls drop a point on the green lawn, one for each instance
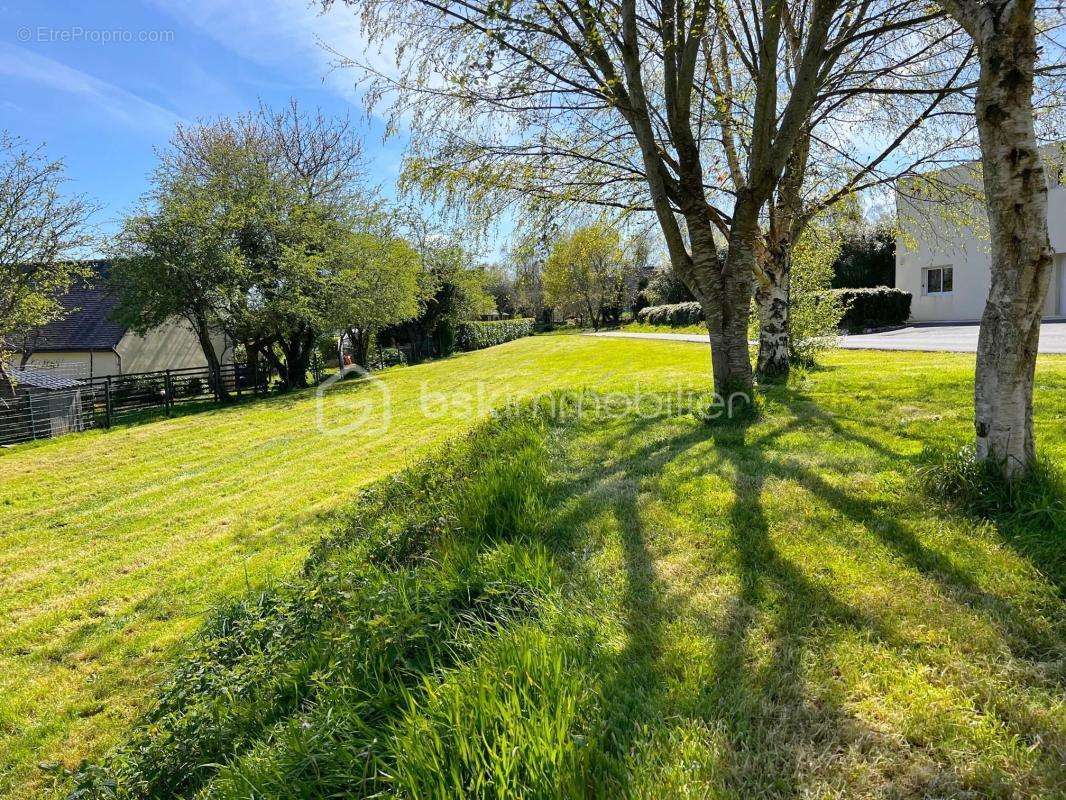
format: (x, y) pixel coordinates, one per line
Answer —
(643, 327)
(778, 610)
(113, 544)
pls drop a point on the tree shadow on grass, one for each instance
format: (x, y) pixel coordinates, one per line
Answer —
(1028, 538)
(755, 696)
(882, 519)
(756, 701)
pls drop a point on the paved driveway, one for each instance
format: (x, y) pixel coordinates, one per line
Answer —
(946, 338)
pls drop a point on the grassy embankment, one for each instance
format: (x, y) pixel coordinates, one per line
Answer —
(114, 544)
(614, 604)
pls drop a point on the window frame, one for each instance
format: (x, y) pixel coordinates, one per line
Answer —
(944, 272)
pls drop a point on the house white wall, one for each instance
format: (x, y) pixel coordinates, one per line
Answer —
(170, 346)
(932, 235)
(76, 363)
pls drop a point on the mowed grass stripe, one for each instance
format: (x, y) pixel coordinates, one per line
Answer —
(112, 545)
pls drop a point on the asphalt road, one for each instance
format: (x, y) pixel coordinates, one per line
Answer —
(932, 338)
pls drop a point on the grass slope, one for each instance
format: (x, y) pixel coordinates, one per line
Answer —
(610, 605)
(115, 544)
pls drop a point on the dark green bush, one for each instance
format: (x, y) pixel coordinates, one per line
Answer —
(867, 258)
(137, 390)
(478, 335)
(676, 315)
(879, 307)
(392, 356)
(665, 288)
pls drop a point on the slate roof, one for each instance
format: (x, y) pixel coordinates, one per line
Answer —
(88, 326)
(41, 379)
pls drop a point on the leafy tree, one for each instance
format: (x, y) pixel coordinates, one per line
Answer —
(527, 257)
(186, 254)
(373, 282)
(41, 232)
(587, 271)
(235, 226)
(451, 286)
(459, 293)
(501, 284)
(815, 313)
(177, 261)
(665, 288)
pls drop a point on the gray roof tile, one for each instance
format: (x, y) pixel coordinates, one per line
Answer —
(88, 326)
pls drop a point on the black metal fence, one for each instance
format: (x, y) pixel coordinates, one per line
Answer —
(66, 406)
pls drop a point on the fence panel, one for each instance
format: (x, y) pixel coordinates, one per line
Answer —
(36, 413)
(42, 414)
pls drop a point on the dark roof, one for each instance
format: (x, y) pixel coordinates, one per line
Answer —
(88, 325)
(40, 379)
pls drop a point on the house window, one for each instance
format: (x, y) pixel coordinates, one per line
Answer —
(939, 280)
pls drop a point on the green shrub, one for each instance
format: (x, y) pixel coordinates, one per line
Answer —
(873, 308)
(814, 316)
(392, 357)
(676, 315)
(477, 335)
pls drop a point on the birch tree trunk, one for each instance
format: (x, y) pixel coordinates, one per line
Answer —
(1016, 195)
(773, 284)
(772, 298)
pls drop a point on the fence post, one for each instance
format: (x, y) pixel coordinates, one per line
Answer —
(237, 380)
(107, 402)
(168, 393)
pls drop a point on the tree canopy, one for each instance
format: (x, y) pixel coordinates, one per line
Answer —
(41, 233)
(260, 227)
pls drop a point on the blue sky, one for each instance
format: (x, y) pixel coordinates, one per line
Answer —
(103, 84)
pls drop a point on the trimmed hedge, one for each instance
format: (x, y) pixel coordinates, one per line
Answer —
(676, 315)
(478, 335)
(878, 307)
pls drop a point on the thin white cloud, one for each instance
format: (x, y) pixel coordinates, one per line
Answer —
(117, 104)
(292, 35)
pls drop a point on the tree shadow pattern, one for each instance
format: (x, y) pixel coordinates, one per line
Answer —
(771, 728)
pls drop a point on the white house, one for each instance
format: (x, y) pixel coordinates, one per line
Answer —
(944, 262)
(88, 343)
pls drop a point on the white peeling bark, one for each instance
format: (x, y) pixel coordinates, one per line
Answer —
(772, 301)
